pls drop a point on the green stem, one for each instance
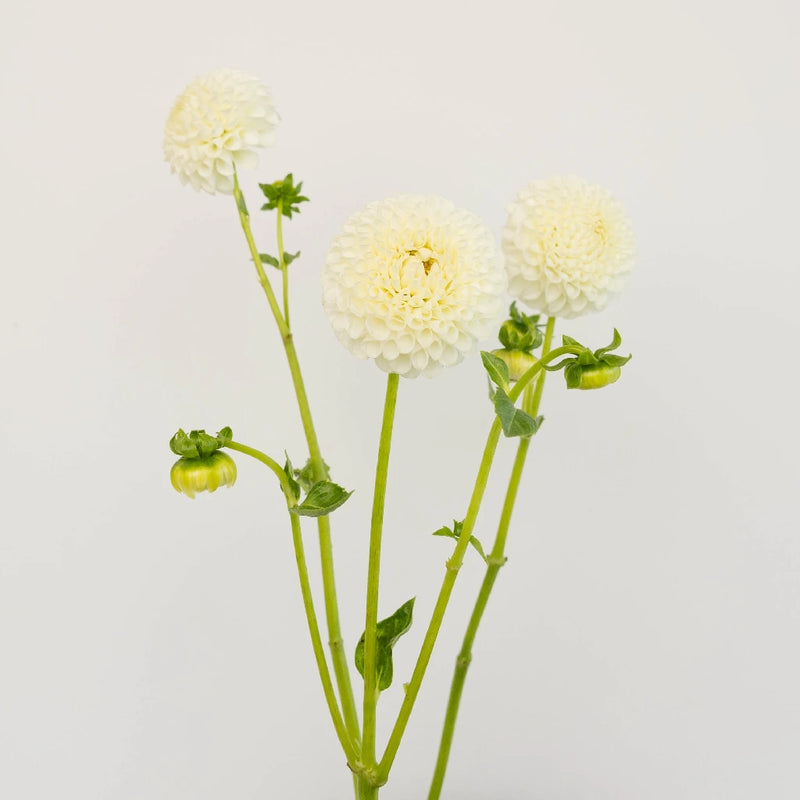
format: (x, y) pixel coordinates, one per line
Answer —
(282, 262)
(349, 747)
(365, 790)
(495, 561)
(453, 566)
(270, 462)
(371, 690)
(339, 658)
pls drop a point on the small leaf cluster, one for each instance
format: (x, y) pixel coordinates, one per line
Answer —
(520, 331)
(515, 422)
(198, 443)
(389, 630)
(322, 497)
(455, 533)
(266, 258)
(591, 370)
(283, 195)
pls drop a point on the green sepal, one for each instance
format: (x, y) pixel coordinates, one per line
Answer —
(323, 498)
(284, 194)
(613, 360)
(496, 368)
(389, 630)
(572, 375)
(305, 476)
(198, 443)
(566, 341)
(520, 331)
(294, 486)
(514, 421)
(615, 343)
(455, 533)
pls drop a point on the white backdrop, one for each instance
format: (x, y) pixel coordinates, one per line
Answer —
(642, 641)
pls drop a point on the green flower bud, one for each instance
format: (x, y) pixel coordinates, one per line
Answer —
(517, 336)
(517, 361)
(205, 474)
(591, 376)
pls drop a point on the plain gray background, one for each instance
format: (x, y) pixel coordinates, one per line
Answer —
(643, 639)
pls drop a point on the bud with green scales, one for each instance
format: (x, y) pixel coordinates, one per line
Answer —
(201, 466)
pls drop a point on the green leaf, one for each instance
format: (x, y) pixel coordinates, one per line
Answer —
(288, 471)
(568, 340)
(496, 368)
(289, 257)
(514, 421)
(389, 630)
(284, 195)
(271, 260)
(455, 533)
(322, 498)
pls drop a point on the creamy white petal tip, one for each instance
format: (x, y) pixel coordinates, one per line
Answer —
(569, 247)
(217, 123)
(414, 283)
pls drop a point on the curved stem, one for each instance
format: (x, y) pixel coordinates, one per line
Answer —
(371, 689)
(453, 566)
(340, 667)
(270, 462)
(495, 561)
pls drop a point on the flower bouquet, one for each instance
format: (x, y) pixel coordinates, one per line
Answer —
(415, 284)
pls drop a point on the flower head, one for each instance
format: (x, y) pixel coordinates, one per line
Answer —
(215, 125)
(414, 283)
(203, 474)
(569, 247)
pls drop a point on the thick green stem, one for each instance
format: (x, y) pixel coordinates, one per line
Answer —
(495, 561)
(339, 658)
(365, 790)
(453, 566)
(371, 690)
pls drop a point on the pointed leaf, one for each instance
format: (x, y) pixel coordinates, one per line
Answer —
(388, 631)
(322, 498)
(455, 533)
(514, 421)
(289, 257)
(288, 470)
(271, 260)
(496, 368)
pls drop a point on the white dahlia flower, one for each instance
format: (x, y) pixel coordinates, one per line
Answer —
(414, 283)
(569, 247)
(215, 124)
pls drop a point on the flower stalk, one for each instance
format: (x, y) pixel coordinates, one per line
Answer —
(371, 691)
(338, 656)
(495, 561)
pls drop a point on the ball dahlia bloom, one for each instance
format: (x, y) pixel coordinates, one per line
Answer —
(215, 125)
(569, 247)
(414, 283)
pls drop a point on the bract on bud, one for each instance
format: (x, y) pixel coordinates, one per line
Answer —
(592, 376)
(204, 474)
(517, 361)
(516, 336)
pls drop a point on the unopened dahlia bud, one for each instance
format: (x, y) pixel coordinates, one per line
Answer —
(593, 376)
(517, 361)
(204, 474)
